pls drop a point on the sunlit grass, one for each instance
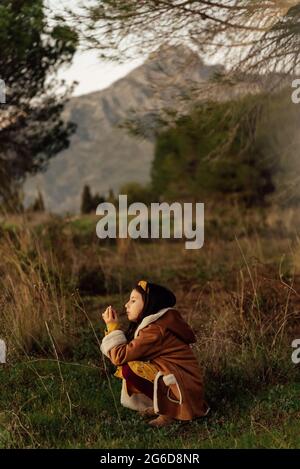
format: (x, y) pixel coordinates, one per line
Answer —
(239, 293)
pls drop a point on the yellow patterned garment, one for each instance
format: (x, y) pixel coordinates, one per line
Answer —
(111, 326)
(145, 370)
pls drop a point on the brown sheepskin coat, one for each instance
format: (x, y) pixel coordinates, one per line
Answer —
(163, 339)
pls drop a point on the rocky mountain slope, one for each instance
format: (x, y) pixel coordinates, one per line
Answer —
(103, 155)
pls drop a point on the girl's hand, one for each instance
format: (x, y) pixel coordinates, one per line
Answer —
(110, 315)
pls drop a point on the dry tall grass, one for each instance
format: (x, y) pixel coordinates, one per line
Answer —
(240, 292)
(34, 302)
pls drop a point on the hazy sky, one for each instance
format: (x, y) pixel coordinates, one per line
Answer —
(91, 73)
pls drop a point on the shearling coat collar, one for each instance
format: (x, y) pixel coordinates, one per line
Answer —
(151, 318)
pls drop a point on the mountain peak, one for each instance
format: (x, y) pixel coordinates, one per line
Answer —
(167, 51)
(103, 155)
(171, 59)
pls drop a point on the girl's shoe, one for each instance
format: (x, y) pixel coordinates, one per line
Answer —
(148, 412)
(161, 421)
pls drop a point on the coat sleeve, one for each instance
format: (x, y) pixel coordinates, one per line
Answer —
(140, 348)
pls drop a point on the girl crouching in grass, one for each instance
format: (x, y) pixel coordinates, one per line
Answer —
(161, 376)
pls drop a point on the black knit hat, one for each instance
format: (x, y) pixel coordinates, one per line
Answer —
(156, 297)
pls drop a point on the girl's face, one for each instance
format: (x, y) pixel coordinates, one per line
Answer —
(134, 306)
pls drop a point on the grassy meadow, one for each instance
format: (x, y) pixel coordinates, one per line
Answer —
(240, 293)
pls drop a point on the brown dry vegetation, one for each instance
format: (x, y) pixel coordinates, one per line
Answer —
(240, 292)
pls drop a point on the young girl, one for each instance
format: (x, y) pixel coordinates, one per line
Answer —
(161, 376)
